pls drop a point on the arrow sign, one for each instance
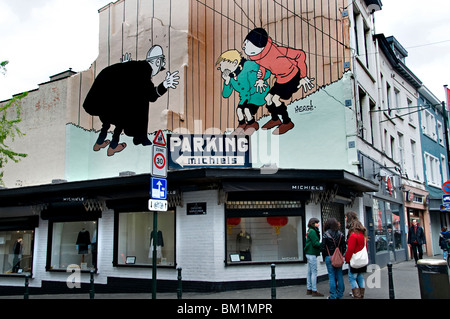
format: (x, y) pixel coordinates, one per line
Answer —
(158, 188)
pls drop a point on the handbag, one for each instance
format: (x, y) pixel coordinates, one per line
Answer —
(360, 259)
(337, 260)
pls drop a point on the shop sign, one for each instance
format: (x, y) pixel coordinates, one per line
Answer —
(196, 209)
(194, 151)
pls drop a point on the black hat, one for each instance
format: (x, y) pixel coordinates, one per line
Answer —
(258, 37)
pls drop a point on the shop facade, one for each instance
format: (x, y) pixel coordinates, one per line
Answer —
(223, 228)
(384, 214)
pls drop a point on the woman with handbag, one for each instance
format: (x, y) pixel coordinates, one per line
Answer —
(333, 248)
(356, 255)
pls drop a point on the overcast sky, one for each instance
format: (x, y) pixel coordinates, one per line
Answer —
(41, 38)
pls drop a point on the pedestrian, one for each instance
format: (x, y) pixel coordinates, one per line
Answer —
(416, 238)
(332, 239)
(356, 241)
(444, 241)
(312, 250)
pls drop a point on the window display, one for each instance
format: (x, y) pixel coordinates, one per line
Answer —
(74, 243)
(16, 252)
(135, 239)
(264, 239)
(386, 217)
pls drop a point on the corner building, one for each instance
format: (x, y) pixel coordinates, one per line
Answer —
(237, 202)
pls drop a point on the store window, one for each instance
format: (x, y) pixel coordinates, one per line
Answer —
(388, 232)
(135, 239)
(17, 245)
(16, 252)
(73, 243)
(264, 231)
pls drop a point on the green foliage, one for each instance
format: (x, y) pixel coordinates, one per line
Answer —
(10, 117)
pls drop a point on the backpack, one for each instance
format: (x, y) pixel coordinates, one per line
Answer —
(337, 260)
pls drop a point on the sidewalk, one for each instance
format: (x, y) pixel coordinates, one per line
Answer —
(405, 278)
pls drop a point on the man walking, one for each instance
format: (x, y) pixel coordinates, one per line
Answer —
(416, 238)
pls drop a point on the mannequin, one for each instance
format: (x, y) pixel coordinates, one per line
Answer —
(244, 244)
(159, 245)
(17, 252)
(83, 242)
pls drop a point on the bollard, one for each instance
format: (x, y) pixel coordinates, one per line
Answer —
(391, 282)
(92, 291)
(179, 289)
(27, 292)
(274, 289)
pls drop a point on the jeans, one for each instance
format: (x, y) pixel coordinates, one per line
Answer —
(416, 247)
(356, 279)
(311, 278)
(335, 280)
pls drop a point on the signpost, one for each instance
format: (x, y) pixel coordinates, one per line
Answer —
(158, 193)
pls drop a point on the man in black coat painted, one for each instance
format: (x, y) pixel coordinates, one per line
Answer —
(120, 96)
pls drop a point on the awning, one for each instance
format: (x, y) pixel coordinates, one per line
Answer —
(232, 180)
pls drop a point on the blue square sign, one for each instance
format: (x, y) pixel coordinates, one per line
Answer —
(158, 188)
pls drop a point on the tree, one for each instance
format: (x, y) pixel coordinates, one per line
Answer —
(10, 117)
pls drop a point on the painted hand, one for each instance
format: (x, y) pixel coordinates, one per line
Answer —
(260, 86)
(171, 80)
(306, 83)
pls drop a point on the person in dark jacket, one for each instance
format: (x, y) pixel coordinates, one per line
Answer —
(444, 241)
(120, 96)
(416, 238)
(331, 239)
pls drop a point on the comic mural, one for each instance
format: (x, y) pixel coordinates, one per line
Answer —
(273, 71)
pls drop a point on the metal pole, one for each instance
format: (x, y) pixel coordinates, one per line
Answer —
(179, 289)
(391, 282)
(92, 291)
(155, 238)
(274, 289)
(27, 292)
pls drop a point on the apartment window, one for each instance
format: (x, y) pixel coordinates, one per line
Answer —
(372, 119)
(388, 97)
(444, 168)
(362, 36)
(440, 130)
(413, 159)
(401, 150)
(397, 101)
(410, 110)
(432, 168)
(392, 147)
(429, 125)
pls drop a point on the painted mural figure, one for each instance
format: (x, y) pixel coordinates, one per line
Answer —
(240, 75)
(290, 70)
(120, 96)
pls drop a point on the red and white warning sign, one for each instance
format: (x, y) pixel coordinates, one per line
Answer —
(159, 161)
(160, 139)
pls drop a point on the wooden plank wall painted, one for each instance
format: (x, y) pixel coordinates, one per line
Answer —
(316, 26)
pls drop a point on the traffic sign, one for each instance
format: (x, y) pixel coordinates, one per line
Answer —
(446, 187)
(157, 205)
(446, 199)
(159, 161)
(158, 188)
(159, 139)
